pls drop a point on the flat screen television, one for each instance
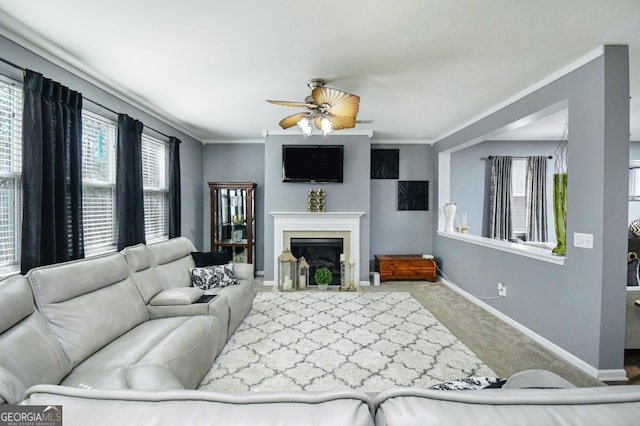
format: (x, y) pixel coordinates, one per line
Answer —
(312, 163)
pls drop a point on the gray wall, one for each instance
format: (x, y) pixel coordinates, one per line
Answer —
(472, 177)
(634, 206)
(403, 232)
(579, 306)
(234, 163)
(351, 195)
(190, 149)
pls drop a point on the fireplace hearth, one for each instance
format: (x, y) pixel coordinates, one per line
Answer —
(320, 252)
(344, 225)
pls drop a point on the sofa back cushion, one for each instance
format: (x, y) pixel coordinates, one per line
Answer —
(87, 303)
(144, 275)
(189, 407)
(172, 260)
(610, 405)
(29, 353)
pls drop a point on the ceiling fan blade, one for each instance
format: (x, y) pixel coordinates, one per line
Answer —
(293, 104)
(339, 103)
(291, 120)
(339, 122)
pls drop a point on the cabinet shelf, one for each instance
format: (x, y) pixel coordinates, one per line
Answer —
(233, 219)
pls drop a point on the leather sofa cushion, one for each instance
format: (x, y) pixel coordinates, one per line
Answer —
(607, 405)
(177, 296)
(29, 353)
(138, 257)
(87, 304)
(240, 299)
(16, 301)
(171, 250)
(185, 407)
(143, 274)
(177, 352)
(64, 281)
(172, 260)
(218, 307)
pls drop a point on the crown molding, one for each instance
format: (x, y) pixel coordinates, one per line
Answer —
(594, 54)
(41, 46)
(232, 141)
(337, 133)
(402, 141)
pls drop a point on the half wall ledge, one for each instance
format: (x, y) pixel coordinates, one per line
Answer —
(506, 246)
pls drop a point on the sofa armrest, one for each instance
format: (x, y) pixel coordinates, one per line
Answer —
(244, 271)
(177, 296)
(537, 379)
(189, 407)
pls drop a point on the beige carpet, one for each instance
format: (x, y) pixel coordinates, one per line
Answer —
(501, 347)
(328, 340)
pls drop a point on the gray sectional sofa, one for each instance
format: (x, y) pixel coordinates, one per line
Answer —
(121, 339)
(125, 320)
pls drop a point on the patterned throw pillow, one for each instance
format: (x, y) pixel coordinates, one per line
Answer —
(470, 383)
(634, 227)
(213, 276)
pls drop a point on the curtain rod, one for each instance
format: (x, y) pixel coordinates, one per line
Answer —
(23, 69)
(492, 156)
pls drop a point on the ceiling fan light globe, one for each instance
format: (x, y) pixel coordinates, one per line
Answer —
(305, 126)
(327, 126)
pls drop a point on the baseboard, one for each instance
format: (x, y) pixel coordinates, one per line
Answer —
(604, 375)
(361, 283)
(614, 375)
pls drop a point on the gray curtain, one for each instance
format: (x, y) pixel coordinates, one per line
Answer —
(500, 225)
(174, 188)
(536, 199)
(129, 191)
(52, 228)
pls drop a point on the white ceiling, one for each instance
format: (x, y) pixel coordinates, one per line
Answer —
(421, 67)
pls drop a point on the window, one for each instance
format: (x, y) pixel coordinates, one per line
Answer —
(98, 183)
(634, 180)
(155, 182)
(10, 176)
(518, 195)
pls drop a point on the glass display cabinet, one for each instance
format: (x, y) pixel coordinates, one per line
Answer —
(233, 222)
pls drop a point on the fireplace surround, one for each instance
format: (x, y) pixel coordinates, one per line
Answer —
(345, 225)
(319, 253)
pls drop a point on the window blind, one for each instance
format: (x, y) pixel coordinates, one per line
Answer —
(518, 191)
(634, 180)
(98, 183)
(10, 176)
(155, 170)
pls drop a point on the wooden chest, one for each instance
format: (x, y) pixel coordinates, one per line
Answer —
(405, 267)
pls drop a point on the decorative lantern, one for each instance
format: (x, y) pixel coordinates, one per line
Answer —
(303, 273)
(287, 271)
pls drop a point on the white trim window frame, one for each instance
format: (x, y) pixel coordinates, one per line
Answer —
(155, 184)
(11, 104)
(518, 196)
(99, 138)
(634, 180)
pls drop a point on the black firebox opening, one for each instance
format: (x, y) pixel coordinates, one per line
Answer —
(320, 252)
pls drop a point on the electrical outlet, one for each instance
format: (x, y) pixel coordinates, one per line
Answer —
(583, 240)
(502, 290)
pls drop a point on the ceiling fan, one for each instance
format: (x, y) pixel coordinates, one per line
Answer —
(327, 108)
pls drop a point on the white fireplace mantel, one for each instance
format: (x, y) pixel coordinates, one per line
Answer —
(326, 221)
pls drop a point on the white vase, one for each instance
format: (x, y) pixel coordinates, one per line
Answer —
(449, 210)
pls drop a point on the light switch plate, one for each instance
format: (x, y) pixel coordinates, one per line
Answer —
(583, 240)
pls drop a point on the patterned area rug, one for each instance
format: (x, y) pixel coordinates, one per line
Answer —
(319, 341)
